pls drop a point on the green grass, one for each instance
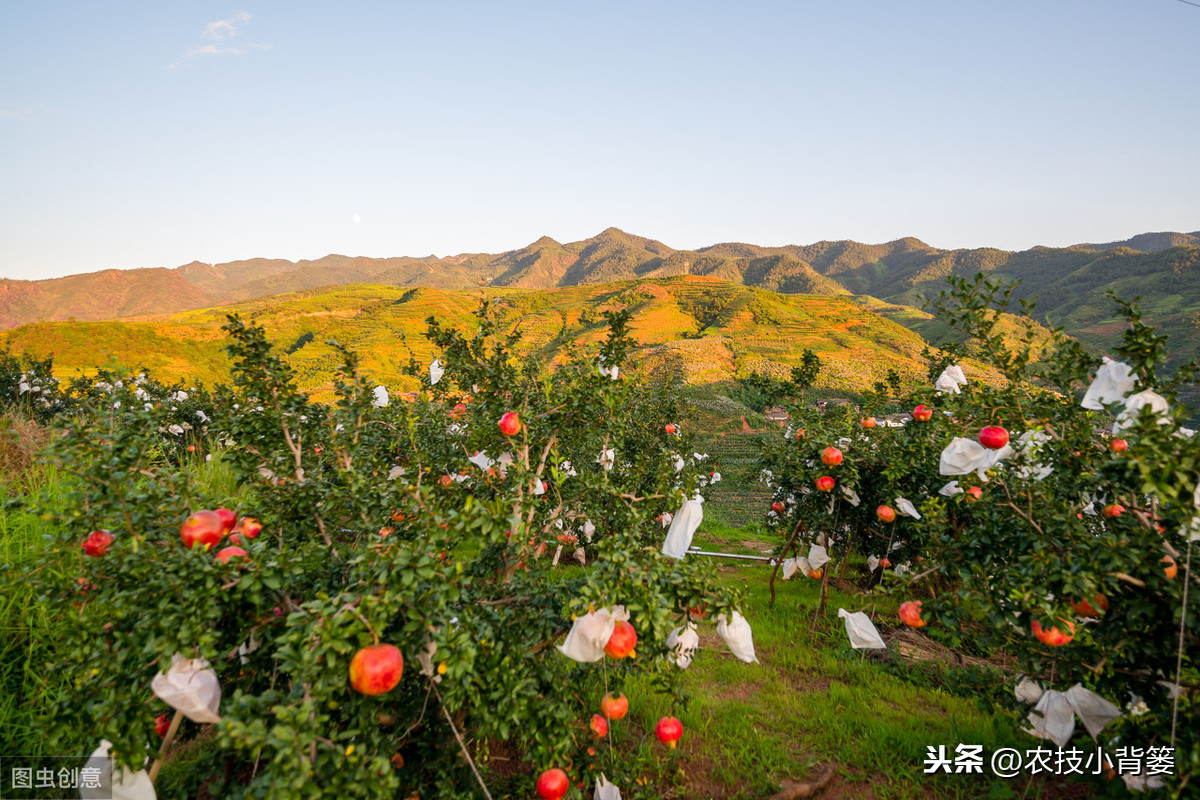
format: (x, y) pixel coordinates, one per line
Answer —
(812, 700)
(27, 627)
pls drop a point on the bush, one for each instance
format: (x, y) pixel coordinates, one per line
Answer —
(1034, 545)
(420, 525)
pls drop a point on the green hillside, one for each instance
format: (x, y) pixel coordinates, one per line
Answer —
(705, 331)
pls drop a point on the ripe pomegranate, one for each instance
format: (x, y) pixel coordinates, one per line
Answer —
(869, 422)
(668, 730)
(817, 574)
(1113, 510)
(669, 427)
(376, 669)
(777, 507)
(886, 514)
(974, 493)
(831, 456)
(922, 413)
(553, 784)
(800, 433)
(202, 528)
(1053, 636)
(1093, 608)
(251, 527)
(446, 480)
(622, 641)
(599, 726)
(228, 518)
(993, 437)
(1118, 445)
(885, 562)
(96, 543)
(162, 724)
(510, 423)
(825, 483)
(910, 614)
(230, 552)
(614, 707)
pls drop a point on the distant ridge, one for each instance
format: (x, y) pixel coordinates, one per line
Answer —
(1069, 283)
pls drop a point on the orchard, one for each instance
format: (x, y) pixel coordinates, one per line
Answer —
(384, 595)
(397, 595)
(1024, 520)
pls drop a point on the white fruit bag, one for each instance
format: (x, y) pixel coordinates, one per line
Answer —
(1052, 718)
(683, 643)
(793, 565)
(436, 371)
(380, 399)
(1134, 405)
(950, 489)
(604, 789)
(817, 556)
(905, 507)
(738, 637)
(1093, 710)
(120, 784)
(862, 632)
(683, 528)
(964, 456)
(1028, 690)
(872, 563)
(589, 633)
(1113, 381)
(190, 686)
(951, 378)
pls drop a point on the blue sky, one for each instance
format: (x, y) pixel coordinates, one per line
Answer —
(152, 134)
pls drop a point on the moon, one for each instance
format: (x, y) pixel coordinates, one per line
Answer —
(357, 219)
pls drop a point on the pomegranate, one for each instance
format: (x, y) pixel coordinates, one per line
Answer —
(376, 669)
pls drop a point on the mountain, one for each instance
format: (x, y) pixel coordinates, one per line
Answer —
(99, 295)
(1149, 242)
(1068, 283)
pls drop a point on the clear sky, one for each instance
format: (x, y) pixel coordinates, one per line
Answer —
(151, 134)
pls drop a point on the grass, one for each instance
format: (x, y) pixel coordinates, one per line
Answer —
(812, 700)
(27, 627)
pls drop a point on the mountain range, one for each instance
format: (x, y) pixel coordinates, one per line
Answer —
(886, 280)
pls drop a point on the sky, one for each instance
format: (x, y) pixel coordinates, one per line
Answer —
(150, 134)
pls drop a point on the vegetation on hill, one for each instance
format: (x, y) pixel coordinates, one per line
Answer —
(702, 331)
(1070, 283)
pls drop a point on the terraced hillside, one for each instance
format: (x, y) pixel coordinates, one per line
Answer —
(738, 499)
(700, 330)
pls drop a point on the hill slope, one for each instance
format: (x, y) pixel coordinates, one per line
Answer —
(703, 330)
(98, 295)
(1068, 283)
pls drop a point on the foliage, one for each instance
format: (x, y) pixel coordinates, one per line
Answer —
(759, 392)
(378, 528)
(1033, 544)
